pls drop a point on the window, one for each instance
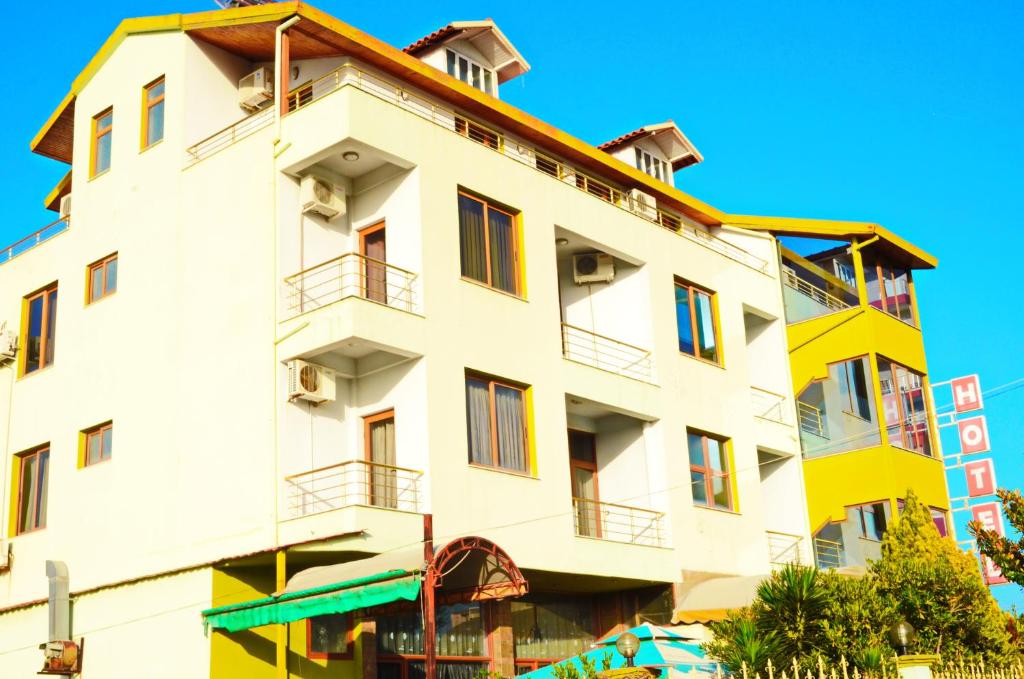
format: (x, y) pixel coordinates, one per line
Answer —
(381, 454)
(102, 278)
(33, 471)
(696, 323)
(102, 138)
(462, 647)
(153, 113)
(98, 444)
(40, 329)
(328, 637)
(656, 167)
(709, 470)
(853, 389)
(549, 628)
(871, 520)
(470, 72)
(905, 406)
(889, 290)
(496, 422)
(489, 242)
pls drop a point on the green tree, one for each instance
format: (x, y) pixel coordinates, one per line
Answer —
(791, 605)
(938, 589)
(856, 621)
(740, 641)
(1006, 553)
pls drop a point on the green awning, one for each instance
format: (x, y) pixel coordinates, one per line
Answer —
(340, 597)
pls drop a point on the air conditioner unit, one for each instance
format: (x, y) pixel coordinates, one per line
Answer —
(8, 343)
(310, 382)
(593, 267)
(320, 197)
(643, 203)
(65, 206)
(5, 555)
(256, 89)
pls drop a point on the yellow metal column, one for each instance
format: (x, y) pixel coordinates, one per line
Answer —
(280, 580)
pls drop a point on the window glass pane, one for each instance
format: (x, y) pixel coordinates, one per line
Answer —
(503, 259)
(509, 413)
(477, 83)
(478, 421)
(695, 442)
(92, 448)
(684, 322)
(552, 629)
(103, 152)
(460, 632)
(42, 473)
(706, 326)
(27, 494)
(106, 121)
(720, 487)
(698, 487)
(582, 446)
(155, 124)
(111, 276)
(96, 283)
(639, 158)
(451, 63)
(487, 82)
(471, 232)
(34, 339)
(107, 440)
(716, 455)
(328, 634)
(463, 70)
(51, 326)
(156, 90)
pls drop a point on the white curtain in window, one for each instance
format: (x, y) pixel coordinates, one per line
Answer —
(508, 405)
(478, 421)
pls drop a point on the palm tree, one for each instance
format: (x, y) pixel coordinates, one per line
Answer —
(791, 605)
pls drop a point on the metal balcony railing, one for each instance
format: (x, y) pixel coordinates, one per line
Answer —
(811, 420)
(30, 241)
(827, 553)
(355, 482)
(769, 405)
(822, 297)
(350, 275)
(606, 353)
(784, 548)
(618, 523)
(397, 95)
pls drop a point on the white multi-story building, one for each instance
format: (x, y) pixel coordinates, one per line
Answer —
(312, 289)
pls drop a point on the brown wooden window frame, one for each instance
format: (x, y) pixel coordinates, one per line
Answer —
(513, 216)
(44, 328)
(709, 473)
(97, 134)
(97, 433)
(692, 291)
(104, 263)
(328, 655)
(147, 106)
(492, 383)
(37, 523)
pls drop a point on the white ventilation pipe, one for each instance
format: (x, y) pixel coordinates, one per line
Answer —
(59, 601)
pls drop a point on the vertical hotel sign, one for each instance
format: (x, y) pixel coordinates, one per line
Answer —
(980, 473)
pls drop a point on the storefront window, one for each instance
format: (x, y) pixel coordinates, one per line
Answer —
(552, 629)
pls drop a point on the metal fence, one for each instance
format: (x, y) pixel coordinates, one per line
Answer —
(784, 548)
(828, 553)
(229, 135)
(350, 275)
(606, 353)
(619, 523)
(33, 239)
(811, 420)
(355, 482)
(769, 405)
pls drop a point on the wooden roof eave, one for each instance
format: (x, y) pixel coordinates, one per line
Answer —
(63, 188)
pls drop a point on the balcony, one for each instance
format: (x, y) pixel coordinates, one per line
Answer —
(605, 353)
(618, 523)
(828, 554)
(811, 421)
(352, 483)
(28, 242)
(810, 291)
(769, 406)
(785, 548)
(350, 275)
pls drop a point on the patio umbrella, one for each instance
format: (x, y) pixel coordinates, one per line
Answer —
(659, 648)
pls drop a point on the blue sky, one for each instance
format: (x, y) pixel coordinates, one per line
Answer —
(908, 114)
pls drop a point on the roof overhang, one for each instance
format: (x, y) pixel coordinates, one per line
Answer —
(713, 599)
(486, 38)
(63, 188)
(896, 249)
(679, 150)
(249, 31)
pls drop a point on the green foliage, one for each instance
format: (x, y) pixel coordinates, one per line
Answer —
(938, 589)
(801, 614)
(1006, 553)
(569, 670)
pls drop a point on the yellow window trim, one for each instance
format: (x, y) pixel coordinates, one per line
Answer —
(144, 125)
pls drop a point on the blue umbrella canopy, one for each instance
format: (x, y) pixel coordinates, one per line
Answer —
(659, 647)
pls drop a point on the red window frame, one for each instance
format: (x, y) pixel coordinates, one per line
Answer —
(487, 207)
(97, 434)
(692, 292)
(103, 264)
(491, 383)
(326, 655)
(709, 473)
(37, 523)
(49, 297)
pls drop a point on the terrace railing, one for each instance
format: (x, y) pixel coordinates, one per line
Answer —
(33, 239)
(619, 523)
(769, 405)
(355, 482)
(350, 275)
(606, 353)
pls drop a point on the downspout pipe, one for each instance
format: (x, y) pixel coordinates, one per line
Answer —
(59, 601)
(281, 77)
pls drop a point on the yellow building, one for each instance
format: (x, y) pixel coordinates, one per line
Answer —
(857, 356)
